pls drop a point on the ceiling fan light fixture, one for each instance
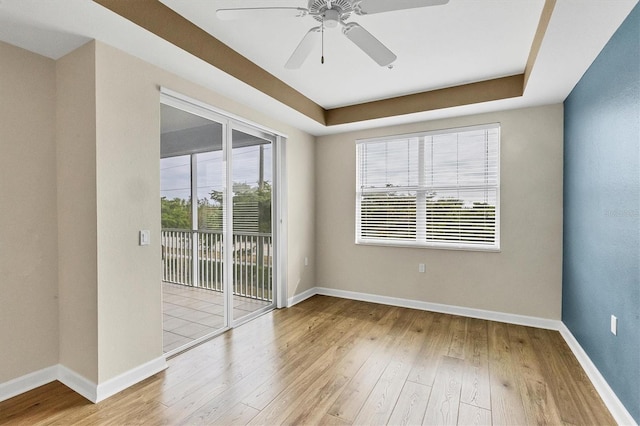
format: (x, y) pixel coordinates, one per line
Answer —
(331, 18)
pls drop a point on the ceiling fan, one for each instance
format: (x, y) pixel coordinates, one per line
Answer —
(332, 14)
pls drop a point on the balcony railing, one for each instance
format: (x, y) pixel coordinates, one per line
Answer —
(189, 254)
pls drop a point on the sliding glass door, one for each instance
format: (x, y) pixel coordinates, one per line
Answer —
(252, 228)
(217, 233)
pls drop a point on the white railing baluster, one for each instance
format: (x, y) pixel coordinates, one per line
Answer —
(260, 260)
(209, 262)
(269, 274)
(179, 261)
(215, 280)
(172, 257)
(243, 269)
(252, 261)
(183, 254)
(168, 256)
(253, 265)
(243, 251)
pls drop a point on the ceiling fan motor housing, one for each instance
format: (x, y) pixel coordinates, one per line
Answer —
(339, 11)
(331, 18)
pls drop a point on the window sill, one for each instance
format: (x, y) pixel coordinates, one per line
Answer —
(406, 244)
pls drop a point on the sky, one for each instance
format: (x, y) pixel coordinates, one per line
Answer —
(449, 161)
(175, 171)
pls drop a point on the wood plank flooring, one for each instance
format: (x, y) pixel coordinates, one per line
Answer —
(332, 361)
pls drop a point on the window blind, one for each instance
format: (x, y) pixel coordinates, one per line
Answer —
(433, 189)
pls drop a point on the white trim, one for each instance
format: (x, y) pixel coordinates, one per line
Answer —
(195, 342)
(227, 224)
(420, 245)
(303, 296)
(77, 383)
(28, 382)
(548, 324)
(129, 378)
(281, 224)
(617, 409)
(96, 393)
(168, 93)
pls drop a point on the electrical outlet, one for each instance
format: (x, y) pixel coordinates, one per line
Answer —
(421, 267)
(614, 325)
(306, 261)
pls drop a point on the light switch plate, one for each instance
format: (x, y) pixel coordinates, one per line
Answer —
(145, 237)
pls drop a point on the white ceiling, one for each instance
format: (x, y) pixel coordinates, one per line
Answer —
(440, 46)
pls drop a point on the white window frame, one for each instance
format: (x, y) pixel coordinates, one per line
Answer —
(421, 187)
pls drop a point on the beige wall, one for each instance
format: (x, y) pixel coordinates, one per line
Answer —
(524, 278)
(301, 215)
(28, 237)
(80, 142)
(128, 189)
(77, 247)
(127, 176)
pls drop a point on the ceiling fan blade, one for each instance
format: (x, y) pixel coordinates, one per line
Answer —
(369, 44)
(304, 48)
(369, 7)
(261, 13)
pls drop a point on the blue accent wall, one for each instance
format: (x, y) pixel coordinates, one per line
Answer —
(601, 266)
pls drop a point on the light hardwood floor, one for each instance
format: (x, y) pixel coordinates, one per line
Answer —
(338, 362)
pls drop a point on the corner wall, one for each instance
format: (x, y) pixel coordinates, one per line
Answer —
(523, 279)
(77, 245)
(602, 212)
(28, 229)
(301, 187)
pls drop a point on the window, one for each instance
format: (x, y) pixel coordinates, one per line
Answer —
(434, 189)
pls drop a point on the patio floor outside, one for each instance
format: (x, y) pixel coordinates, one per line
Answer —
(189, 313)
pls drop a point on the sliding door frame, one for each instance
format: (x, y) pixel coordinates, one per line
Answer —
(229, 123)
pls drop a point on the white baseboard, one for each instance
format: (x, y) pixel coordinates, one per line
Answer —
(78, 383)
(28, 382)
(302, 296)
(129, 378)
(548, 324)
(617, 409)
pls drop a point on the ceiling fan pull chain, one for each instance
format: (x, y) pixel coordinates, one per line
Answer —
(322, 36)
